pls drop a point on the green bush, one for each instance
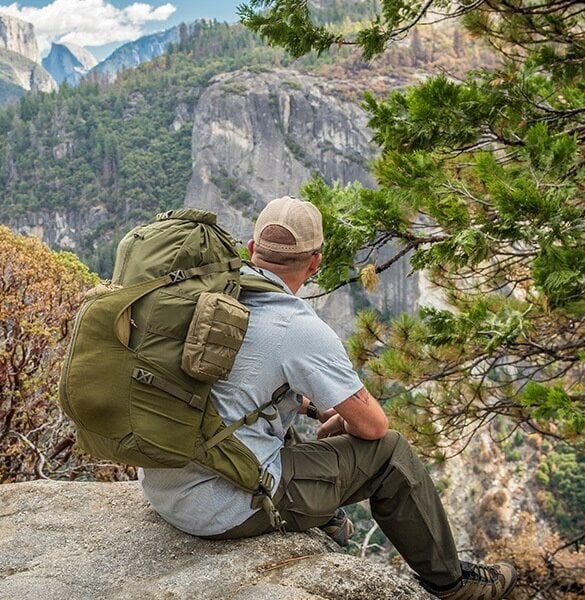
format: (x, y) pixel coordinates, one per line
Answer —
(562, 475)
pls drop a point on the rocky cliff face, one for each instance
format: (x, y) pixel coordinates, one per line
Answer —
(19, 74)
(60, 229)
(260, 135)
(19, 37)
(20, 61)
(490, 497)
(68, 62)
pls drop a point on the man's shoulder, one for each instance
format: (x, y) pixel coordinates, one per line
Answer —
(285, 307)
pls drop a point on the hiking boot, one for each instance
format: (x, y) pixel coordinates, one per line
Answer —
(479, 582)
(339, 528)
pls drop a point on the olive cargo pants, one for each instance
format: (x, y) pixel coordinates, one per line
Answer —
(318, 477)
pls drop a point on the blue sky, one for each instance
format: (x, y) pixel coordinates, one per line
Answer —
(102, 25)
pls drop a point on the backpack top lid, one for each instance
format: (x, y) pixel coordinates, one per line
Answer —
(175, 240)
(188, 214)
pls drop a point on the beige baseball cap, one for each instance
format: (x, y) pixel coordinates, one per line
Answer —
(302, 219)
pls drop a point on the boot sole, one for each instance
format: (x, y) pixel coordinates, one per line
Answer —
(512, 583)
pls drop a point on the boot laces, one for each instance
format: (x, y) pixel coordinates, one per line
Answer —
(479, 573)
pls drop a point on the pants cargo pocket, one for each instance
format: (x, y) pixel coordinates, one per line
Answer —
(310, 486)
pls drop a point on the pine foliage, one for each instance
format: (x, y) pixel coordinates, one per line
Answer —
(480, 182)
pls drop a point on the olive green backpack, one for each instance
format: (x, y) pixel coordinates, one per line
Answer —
(147, 347)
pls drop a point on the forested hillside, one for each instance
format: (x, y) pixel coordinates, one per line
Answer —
(125, 147)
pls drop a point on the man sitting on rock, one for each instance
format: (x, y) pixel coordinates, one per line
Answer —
(355, 457)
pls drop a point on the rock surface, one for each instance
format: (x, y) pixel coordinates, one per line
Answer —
(68, 62)
(258, 135)
(61, 229)
(19, 74)
(19, 36)
(20, 61)
(101, 540)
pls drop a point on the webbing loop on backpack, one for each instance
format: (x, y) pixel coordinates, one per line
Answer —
(148, 378)
(266, 480)
(216, 267)
(279, 393)
(250, 418)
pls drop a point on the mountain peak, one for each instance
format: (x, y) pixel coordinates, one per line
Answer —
(68, 62)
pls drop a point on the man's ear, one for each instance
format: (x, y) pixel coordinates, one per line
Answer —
(250, 246)
(315, 262)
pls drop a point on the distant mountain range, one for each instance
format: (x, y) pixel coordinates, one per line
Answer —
(22, 70)
(134, 53)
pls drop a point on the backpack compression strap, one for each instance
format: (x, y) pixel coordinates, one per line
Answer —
(262, 498)
(248, 419)
(138, 290)
(146, 377)
(216, 267)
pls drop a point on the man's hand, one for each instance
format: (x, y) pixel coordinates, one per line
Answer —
(359, 415)
(325, 415)
(333, 425)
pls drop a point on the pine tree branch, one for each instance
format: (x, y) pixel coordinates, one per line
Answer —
(379, 269)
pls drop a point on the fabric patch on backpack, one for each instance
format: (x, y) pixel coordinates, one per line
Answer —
(215, 334)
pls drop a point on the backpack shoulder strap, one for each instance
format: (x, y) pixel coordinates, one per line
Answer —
(258, 282)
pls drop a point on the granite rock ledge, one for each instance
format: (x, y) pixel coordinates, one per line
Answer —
(102, 540)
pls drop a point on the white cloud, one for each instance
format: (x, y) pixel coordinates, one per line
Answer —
(88, 22)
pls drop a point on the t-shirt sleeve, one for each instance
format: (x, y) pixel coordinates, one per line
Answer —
(316, 363)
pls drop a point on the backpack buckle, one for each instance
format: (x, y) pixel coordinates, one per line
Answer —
(266, 481)
(263, 499)
(163, 216)
(177, 276)
(143, 376)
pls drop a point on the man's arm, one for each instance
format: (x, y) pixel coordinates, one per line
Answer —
(360, 415)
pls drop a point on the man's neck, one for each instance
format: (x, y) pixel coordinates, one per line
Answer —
(293, 280)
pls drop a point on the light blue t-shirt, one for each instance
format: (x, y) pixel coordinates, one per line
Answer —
(286, 342)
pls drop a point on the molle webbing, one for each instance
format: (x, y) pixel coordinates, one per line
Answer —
(218, 267)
